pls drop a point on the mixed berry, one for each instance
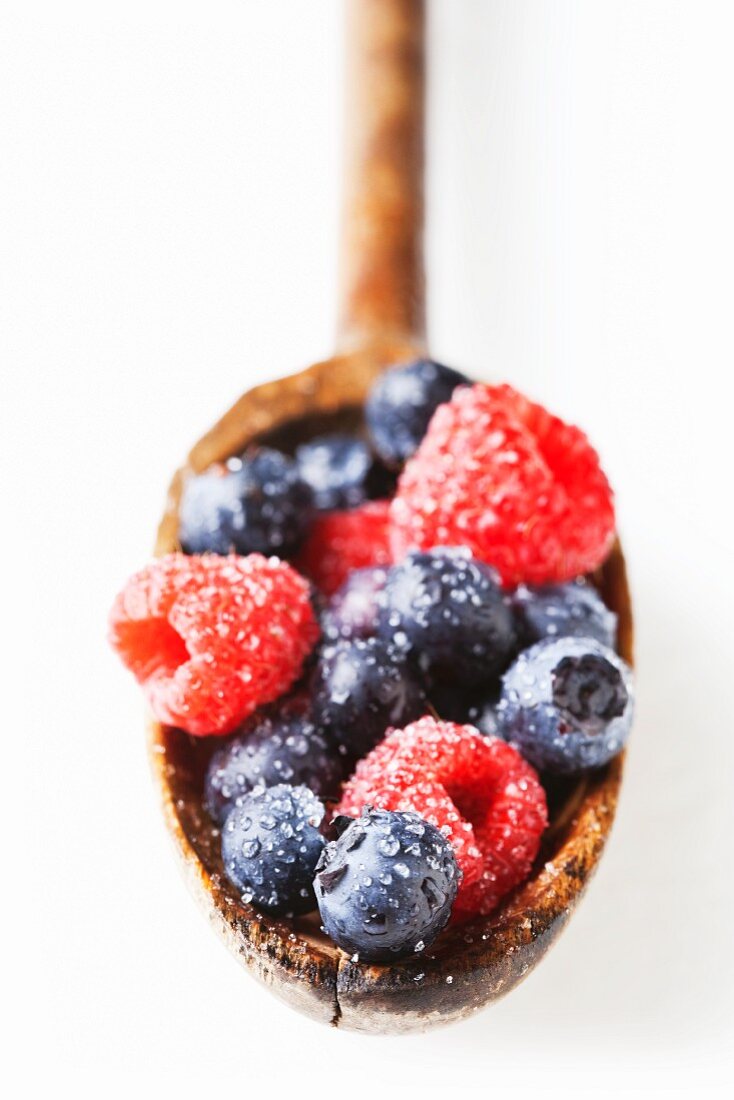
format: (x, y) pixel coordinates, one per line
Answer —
(481, 793)
(341, 472)
(271, 846)
(441, 603)
(397, 668)
(567, 704)
(258, 503)
(520, 488)
(401, 403)
(341, 542)
(386, 885)
(361, 688)
(279, 744)
(353, 610)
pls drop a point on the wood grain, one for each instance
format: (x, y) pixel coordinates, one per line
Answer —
(382, 278)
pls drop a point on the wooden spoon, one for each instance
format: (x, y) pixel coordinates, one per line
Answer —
(382, 320)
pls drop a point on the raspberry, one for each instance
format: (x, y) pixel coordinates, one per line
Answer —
(478, 790)
(342, 541)
(503, 476)
(211, 638)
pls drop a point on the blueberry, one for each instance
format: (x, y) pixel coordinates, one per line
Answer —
(360, 688)
(476, 707)
(352, 611)
(567, 704)
(271, 845)
(278, 745)
(401, 403)
(340, 470)
(448, 611)
(385, 888)
(257, 503)
(567, 610)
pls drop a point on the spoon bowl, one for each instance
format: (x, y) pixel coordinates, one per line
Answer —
(382, 322)
(469, 965)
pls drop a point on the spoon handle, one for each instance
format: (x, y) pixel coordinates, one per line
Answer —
(381, 267)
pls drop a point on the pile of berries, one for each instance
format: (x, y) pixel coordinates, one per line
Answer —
(399, 664)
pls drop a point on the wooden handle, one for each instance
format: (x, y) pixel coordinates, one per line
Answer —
(382, 277)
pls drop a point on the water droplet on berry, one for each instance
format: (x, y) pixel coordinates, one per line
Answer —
(389, 846)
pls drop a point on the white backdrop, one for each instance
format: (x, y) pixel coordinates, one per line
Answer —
(168, 198)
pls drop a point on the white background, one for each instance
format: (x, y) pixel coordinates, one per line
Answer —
(168, 197)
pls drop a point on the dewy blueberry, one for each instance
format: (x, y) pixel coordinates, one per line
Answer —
(401, 403)
(448, 611)
(567, 704)
(271, 845)
(352, 611)
(573, 610)
(360, 689)
(385, 888)
(258, 502)
(340, 470)
(277, 745)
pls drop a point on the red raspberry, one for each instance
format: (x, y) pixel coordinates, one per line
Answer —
(211, 638)
(503, 476)
(342, 541)
(478, 790)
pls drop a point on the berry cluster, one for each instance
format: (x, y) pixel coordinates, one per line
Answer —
(388, 713)
(479, 791)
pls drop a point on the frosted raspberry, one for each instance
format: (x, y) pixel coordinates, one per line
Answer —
(340, 542)
(211, 638)
(504, 477)
(478, 790)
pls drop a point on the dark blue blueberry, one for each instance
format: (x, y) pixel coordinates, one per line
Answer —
(352, 610)
(572, 610)
(567, 704)
(448, 611)
(278, 745)
(360, 688)
(341, 471)
(271, 845)
(473, 707)
(385, 887)
(258, 503)
(401, 403)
